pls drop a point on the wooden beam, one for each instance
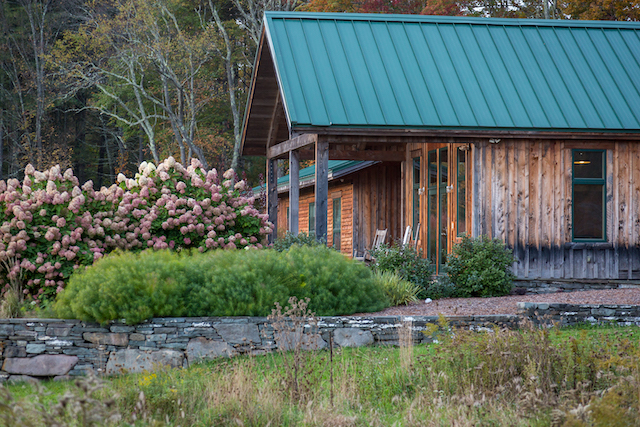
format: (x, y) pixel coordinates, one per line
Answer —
(291, 144)
(451, 135)
(322, 188)
(275, 123)
(294, 191)
(380, 156)
(373, 155)
(272, 196)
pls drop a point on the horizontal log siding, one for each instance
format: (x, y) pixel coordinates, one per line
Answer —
(522, 196)
(342, 190)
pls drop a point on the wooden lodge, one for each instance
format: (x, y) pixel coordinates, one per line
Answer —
(523, 130)
(362, 198)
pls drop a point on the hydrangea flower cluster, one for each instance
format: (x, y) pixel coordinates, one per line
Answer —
(50, 225)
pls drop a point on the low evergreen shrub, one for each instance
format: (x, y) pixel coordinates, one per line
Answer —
(139, 286)
(481, 267)
(407, 262)
(398, 290)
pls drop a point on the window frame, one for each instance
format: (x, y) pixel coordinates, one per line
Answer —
(589, 181)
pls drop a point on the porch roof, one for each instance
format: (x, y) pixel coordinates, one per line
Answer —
(336, 169)
(435, 72)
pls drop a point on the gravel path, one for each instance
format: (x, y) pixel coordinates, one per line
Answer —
(508, 304)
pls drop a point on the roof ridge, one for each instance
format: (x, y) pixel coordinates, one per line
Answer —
(380, 17)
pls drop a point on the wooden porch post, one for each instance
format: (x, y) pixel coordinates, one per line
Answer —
(294, 191)
(322, 187)
(272, 196)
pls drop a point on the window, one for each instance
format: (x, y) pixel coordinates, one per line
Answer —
(589, 193)
(312, 219)
(337, 222)
(287, 225)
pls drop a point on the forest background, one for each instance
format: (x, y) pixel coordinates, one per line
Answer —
(102, 85)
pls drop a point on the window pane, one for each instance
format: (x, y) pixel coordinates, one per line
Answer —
(337, 222)
(312, 219)
(416, 170)
(443, 228)
(462, 193)
(433, 227)
(588, 164)
(433, 169)
(444, 170)
(588, 211)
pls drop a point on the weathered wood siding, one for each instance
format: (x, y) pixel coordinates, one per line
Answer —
(377, 204)
(522, 192)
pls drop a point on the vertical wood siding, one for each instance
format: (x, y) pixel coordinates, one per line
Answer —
(377, 204)
(522, 195)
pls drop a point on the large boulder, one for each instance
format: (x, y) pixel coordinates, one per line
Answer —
(136, 361)
(200, 349)
(352, 337)
(238, 333)
(100, 338)
(288, 340)
(44, 365)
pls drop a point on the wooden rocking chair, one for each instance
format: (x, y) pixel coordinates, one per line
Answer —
(378, 240)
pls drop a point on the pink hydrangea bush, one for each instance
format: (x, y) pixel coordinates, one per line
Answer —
(50, 225)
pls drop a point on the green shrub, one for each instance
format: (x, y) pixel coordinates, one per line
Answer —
(135, 287)
(407, 262)
(125, 285)
(481, 267)
(398, 290)
(441, 287)
(289, 239)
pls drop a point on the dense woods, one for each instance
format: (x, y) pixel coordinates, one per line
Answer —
(101, 86)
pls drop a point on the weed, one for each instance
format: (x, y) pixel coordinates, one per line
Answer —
(293, 345)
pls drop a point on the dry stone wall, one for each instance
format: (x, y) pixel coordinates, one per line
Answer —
(61, 349)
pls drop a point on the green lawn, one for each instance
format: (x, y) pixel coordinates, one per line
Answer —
(534, 377)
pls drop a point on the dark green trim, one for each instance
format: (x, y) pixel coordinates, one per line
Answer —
(589, 181)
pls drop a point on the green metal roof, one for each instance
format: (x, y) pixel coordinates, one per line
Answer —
(336, 169)
(368, 70)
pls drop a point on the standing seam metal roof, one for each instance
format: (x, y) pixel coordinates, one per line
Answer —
(366, 70)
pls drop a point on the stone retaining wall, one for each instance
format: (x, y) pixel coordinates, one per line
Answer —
(570, 314)
(541, 286)
(46, 348)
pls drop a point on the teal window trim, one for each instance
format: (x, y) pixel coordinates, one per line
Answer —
(589, 181)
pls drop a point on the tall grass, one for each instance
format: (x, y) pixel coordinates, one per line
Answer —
(530, 377)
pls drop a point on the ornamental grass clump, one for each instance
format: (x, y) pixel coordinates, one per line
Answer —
(50, 224)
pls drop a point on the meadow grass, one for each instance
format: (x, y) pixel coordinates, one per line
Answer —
(529, 377)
